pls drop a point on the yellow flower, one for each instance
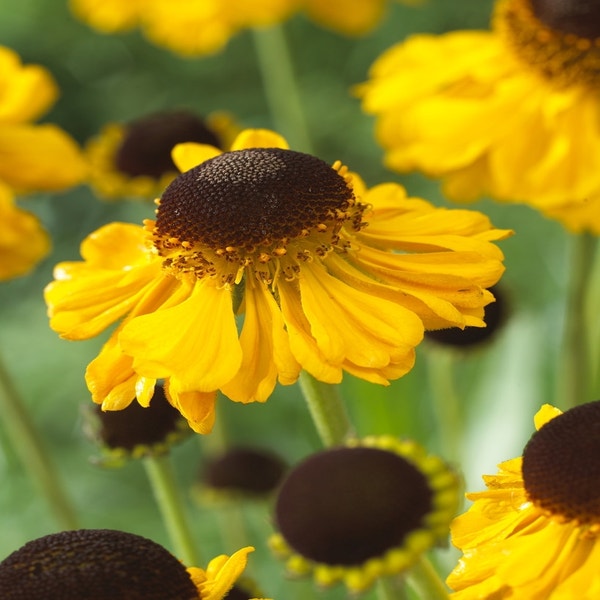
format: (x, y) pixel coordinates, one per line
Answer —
(34, 157)
(300, 249)
(134, 159)
(115, 565)
(23, 241)
(534, 533)
(513, 112)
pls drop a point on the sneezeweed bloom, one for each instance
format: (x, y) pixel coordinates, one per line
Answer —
(23, 240)
(300, 249)
(239, 473)
(34, 157)
(134, 159)
(512, 113)
(535, 532)
(357, 513)
(136, 431)
(104, 564)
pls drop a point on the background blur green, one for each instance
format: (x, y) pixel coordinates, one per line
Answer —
(122, 77)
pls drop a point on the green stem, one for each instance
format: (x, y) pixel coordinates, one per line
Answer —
(169, 500)
(391, 588)
(28, 445)
(446, 403)
(281, 89)
(425, 581)
(578, 374)
(326, 409)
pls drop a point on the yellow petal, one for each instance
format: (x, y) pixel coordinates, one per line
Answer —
(39, 157)
(545, 414)
(198, 408)
(303, 345)
(222, 573)
(28, 91)
(112, 381)
(188, 155)
(265, 348)
(23, 241)
(351, 325)
(194, 342)
(259, 138)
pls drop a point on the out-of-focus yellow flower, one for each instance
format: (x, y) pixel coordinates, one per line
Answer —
(33, 157)
(23, 240)
(328, 276)
(513, 113)
(534, 533)
(133, 160)
(197, 27)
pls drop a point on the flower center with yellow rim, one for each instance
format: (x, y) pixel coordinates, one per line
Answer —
(347, 505)
(559, 38)
(147, 143)
(265, 208)
(561, 465)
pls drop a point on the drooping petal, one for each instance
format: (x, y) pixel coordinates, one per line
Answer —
(265, 348)
(198, 408)
(194, 342)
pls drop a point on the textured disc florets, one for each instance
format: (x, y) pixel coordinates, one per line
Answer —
(249, 198)
(95, 564)
(561, 465)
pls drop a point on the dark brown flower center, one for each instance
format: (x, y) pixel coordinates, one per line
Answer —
(244, 470)
(95, 564)
(146, 148)
(248, 198)
(579, 17)
(558, 38)
(137, 425)
(561, 465)
(347, 505)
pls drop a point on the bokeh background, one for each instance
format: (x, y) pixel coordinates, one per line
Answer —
(102, 78)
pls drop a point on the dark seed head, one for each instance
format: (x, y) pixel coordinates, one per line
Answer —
(579, 17)
(249, 197)
(347, 505)
(95, 564)
(244, 470)
(561, 464)
(137, 425)
(146, 149)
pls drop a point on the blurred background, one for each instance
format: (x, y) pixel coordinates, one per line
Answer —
(102, 78)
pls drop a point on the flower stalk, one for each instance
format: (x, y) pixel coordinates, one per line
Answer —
(577, 372)
(425, 581)
(170, 503)
(35, 458)
(327, 410)
(281, 87)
